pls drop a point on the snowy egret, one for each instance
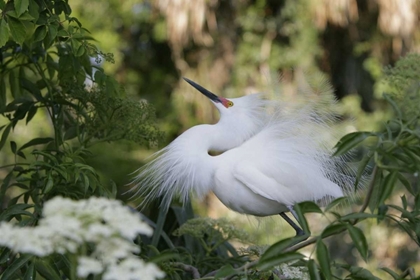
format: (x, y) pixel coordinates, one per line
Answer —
(269, 161)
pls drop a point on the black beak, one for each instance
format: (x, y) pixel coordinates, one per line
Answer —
(213, 97)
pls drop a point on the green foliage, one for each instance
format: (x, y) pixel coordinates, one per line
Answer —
(211, 233)
(49, 67)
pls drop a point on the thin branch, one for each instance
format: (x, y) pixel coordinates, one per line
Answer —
(188, 268)
(370, 190)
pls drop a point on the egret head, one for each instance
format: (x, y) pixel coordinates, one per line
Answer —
(240, 118)
(221, 103)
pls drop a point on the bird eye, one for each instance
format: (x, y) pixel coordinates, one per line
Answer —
(230, 104)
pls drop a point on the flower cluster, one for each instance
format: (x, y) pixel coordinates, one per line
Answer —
(67, 226)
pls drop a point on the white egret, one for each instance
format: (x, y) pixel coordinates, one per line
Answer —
(269, 161)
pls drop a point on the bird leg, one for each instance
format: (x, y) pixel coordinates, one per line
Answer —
(299, 231)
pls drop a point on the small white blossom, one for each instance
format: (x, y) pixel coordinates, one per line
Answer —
(132, 269)
(88, 266)
(67, 226)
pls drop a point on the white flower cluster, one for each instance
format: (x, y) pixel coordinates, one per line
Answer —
(68, 225)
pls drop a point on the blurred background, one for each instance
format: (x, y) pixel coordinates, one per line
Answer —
(241, 47)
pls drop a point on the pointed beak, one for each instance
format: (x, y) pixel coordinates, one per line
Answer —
(213, 97)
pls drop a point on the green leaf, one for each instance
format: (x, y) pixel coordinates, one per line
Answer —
(393, 104)
(5, 135)
(361, 273)
(302, 220)
(3, 98)
(350, 141)
(15, 266)
(34, 10)
(361, 168)
(14, 83)
(323, 257)
(40, 33)
(49, 185)
(164, 257)
(278, 248)
(359, 240)
(159, 226)
(46, 270)
(4, 32)
(30, 272)
(392, 273)
(276, 260)
(406, 183)
(31, 113)
(13, 147)
(357, 215)
(225, 271)
(310, 207)
(335, 202)
(36, 141)
(313, 270)
(388, 186)
(51, 35)
(15, 210)
(17, 30)
(21, 6)
(332, 229)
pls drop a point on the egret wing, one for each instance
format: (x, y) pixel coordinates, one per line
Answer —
(263, 185)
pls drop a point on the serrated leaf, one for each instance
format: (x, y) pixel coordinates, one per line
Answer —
(4, 32)
(33, 10)
(276, 260)
(40, 33)
(313, 270)
(323, 257)
(36, 141)
(388, 186)
(350, 141)
(359, 240)
(21, 6)
(17, 30)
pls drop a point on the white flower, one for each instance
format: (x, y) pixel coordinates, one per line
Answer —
(113, 249)
(132, 269)
(88, 266)
(106, 225)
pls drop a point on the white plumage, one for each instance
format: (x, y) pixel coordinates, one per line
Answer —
(273, 157)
